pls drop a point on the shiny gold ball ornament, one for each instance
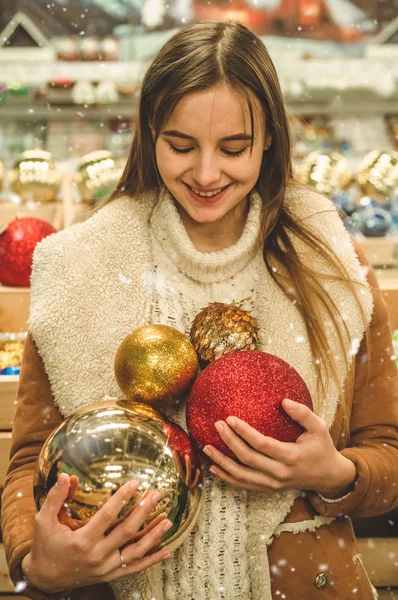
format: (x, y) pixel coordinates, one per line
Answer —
(378, 175)
(325, 172)
(97, 175)
(155, 363)
(35, 176)
(108, 444)
(223, 328)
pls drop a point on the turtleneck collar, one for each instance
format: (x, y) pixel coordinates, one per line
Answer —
(207, 267)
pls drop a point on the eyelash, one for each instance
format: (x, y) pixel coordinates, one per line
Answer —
(187, 150)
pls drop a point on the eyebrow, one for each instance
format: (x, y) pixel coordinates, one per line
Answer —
(185, 136)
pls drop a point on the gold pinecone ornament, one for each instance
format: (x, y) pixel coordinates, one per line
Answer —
(223, 328)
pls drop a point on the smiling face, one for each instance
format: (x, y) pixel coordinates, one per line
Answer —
(204, 158)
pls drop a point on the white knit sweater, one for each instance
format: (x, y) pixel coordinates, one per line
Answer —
(133, 263)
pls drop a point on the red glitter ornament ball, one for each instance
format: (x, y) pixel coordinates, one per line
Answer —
(249, 385)
(17, 243)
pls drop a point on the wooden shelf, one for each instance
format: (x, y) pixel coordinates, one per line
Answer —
(5, 446)
(381, 252)
(380, 557)
(14, 308)
(8, 393)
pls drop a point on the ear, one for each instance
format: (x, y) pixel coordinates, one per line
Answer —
(153, 133)
(267, 142)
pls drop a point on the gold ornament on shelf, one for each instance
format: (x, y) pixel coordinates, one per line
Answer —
(35, 177)
(108, 444)
(155, 363)
(223, 328)
(378, 174)
(325, 172)
(97, 176)
(11, 349)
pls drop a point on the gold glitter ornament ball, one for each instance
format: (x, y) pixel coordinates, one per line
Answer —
(155, 363)
(108, 444)
(378, 175)
(223, 328)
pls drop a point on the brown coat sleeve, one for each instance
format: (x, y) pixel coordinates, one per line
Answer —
(373, 443)
(35, 418)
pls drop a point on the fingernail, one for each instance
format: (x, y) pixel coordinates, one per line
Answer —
(133, 486)
(232, 421)
(219, 426)
(166, 526)
(207, 450)
(156, 497)
(166, 555)
(212, 470)
(289, 403)
(62, 478)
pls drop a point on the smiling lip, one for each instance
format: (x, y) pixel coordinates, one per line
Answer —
(206, 199)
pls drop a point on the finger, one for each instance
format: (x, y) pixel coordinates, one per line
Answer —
(239, 472)
(303, 415)
(281, 452)
(56, 498)
(148, 527)
(73, 484)
(103, 519)
(245, 453)
(139, 565)
(219, 472)
(127, 530)
(148, 543)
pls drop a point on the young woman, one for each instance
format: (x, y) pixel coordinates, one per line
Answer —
(207, 210)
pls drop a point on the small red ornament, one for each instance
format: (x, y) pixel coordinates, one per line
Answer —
(180, 443)
(17, 243)
(249, 385)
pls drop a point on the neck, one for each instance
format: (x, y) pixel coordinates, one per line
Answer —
(211, 237)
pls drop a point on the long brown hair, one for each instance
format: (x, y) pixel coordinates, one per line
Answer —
(199, 57)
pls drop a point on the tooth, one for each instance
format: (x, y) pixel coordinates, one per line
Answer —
(207, 194)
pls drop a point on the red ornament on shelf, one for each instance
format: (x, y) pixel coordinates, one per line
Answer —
(17, 243)
(249, 385)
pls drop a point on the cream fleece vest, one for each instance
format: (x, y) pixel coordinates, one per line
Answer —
(133, 263)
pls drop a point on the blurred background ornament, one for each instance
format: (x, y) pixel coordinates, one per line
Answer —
(17, 243)
(98, 174)
(249, 385)
(344, 201)
(155, 363)
(222, 328)
(35, 176)
(106, 92)
(11, 351)
(106, 445)
(374, 221)
(84, 92)
(325, 172)
(378, 175)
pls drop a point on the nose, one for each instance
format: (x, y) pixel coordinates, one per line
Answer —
(206, 172)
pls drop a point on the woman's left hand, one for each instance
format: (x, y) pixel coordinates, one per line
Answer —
(310, 463)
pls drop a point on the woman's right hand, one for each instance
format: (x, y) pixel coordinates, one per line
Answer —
(61, 559)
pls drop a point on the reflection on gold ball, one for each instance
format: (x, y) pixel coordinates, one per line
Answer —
(108, 444)
(35, 176)
(155, 363)
(378, 174)
(325, 172)
(97, 176)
